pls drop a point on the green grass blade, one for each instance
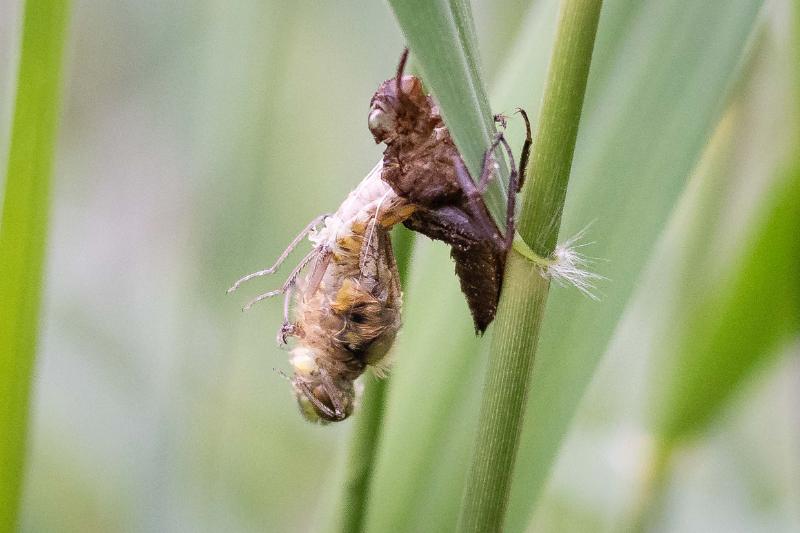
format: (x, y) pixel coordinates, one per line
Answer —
(728, 319)
(361, 455)
(437, 358)
(740, 326)
(705, 239)
(441, 37)
(734, 332)
(23, 233)
(436, 37)
(369, 422)
(524, 297)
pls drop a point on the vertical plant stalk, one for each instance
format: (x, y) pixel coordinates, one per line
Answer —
(23, 232)
(369, 420)
(750, 284)
(525, 288)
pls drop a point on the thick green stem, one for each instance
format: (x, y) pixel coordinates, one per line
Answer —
(361, 455)
(551, 161)
(505, 390)
(369, 421)
(522, 305)
(23, 233)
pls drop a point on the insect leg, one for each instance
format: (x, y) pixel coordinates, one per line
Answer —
(320, 266)
(333, 393)
(513, 188)
(303, 386)
(370, 251)
(290, 281)
(400, 68)
(283, 256)
(474, 202)
(474, 193)
(487, 167)
(387, 256)
(513, 181)
(287, 328)
(526, 149)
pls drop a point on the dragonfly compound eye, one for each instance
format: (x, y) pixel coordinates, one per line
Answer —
(381, 124)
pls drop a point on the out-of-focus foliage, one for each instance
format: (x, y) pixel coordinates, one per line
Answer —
(742, 473)
(197, 138)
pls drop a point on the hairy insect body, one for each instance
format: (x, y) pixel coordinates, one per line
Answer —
(347, 316)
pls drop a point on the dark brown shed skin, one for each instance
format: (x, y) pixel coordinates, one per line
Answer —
(419, 163)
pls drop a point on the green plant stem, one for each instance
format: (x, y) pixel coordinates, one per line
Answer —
(23, 233)
(369, 420)
(361, 455)
(522, 304)
(551, 160)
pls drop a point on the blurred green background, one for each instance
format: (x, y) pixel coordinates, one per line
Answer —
(197, 138)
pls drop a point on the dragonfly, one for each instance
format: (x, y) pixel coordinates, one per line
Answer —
(343, 300)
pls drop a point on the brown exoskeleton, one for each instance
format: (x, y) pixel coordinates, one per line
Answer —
(347, 307)
(423, 166)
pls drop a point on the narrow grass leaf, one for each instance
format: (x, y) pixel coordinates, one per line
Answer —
(739, 327)
(23, 233)
(756, 309)
(438, 361)
(367, 433)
